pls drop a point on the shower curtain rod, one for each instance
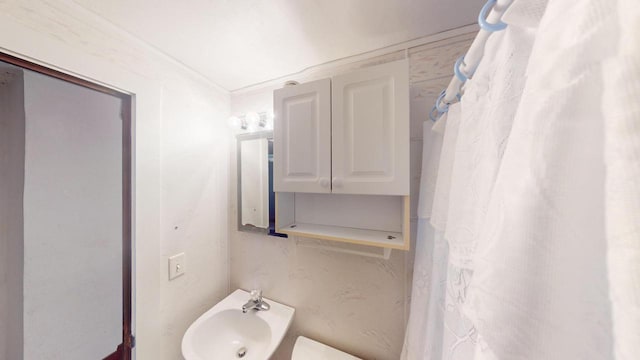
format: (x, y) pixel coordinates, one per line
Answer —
(466, 65)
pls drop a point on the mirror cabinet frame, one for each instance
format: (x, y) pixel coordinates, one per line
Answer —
(239, 139)
(270, 230)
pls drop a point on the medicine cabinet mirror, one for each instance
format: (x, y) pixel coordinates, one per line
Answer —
(256, 200)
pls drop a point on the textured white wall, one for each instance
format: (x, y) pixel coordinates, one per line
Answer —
(195, 151)
(181, 159)
(11, 211)
(353, 303)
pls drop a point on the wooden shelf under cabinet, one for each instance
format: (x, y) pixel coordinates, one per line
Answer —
(382, 221)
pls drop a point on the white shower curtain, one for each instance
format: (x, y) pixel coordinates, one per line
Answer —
(529, 239)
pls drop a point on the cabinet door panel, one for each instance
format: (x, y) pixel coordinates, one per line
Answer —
(370, 131)
(302, 138)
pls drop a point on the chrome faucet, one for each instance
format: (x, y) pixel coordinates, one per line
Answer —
(256, 302)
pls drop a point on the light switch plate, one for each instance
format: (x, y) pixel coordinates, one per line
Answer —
(177, 266)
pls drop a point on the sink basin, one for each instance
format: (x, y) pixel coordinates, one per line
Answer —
(225, 332)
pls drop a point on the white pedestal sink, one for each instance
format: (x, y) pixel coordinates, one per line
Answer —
(225, 332)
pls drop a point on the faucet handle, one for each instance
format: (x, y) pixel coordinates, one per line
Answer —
(256, 295)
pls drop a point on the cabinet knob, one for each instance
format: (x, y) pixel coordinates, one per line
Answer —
(336, 182)
(324, 182)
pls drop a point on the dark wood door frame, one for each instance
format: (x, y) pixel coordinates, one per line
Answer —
(123, 351)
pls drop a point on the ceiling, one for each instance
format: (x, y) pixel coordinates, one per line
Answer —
(237, 43)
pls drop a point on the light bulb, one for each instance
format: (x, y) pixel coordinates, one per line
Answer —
(269, 120)
(252, 127)
(252, 119)
(235, 122)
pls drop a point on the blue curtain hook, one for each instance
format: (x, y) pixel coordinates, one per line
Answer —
(436, 116)
(456, 70)
(482, 18)
(446, 106)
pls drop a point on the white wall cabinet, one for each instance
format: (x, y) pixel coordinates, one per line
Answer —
(341, 157)
(302, 138)
(370, 131)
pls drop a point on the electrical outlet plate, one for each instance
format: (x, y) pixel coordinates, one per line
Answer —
(177, 266)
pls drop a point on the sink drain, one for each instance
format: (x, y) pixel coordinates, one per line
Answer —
(241, 352)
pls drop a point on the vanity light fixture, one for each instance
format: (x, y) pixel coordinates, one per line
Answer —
(252, 121)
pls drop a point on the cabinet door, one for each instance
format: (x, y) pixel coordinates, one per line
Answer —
(302, 138)
(370, 130)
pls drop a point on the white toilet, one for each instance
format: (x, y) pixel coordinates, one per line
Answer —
(307, 349)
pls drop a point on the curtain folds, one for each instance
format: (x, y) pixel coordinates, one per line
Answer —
(621, 102)
(529, 232)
